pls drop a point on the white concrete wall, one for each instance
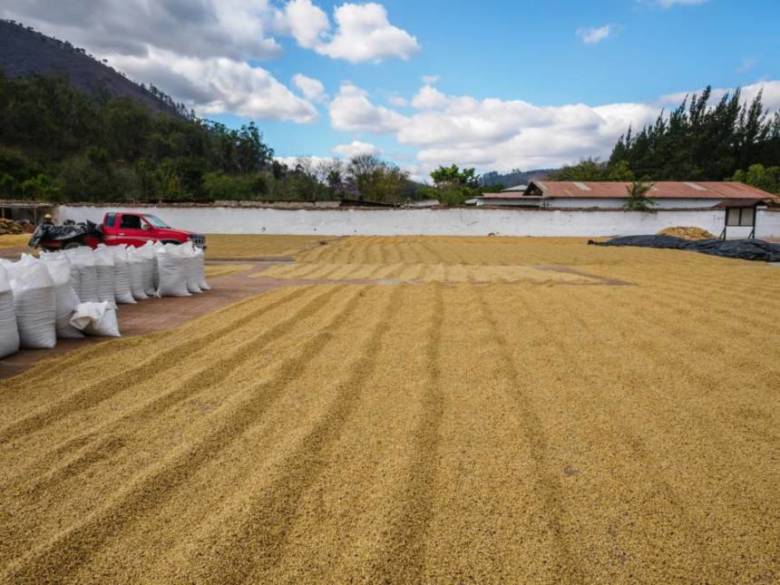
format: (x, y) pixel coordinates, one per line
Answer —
(768, 223)
(459, 221)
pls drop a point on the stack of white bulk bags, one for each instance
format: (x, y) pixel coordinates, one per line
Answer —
(187, 250)
(104, 262)
(66, 299)
(135, 263)
(200, 263)
(9, 334)
(122, 291)
(147, 254)
(82, 264)
(172, 268)
(34, 302)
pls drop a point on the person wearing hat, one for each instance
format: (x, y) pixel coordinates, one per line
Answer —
(47, 220)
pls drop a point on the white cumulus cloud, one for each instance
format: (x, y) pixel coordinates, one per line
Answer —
(363, 32)
(429, 98)
(671, 3)
(311, 88)
(352, 111)
(356, 148)
(594, 35)
(218, 85)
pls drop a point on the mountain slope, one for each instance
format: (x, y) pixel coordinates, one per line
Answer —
(25, 52)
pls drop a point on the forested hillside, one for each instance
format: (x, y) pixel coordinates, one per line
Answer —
(25, 52)
(57, 143)
(73, 129)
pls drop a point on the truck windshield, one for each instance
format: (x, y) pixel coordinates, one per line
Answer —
(156, 221)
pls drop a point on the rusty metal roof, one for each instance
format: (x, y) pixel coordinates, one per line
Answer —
(507, 195)
(659, 190)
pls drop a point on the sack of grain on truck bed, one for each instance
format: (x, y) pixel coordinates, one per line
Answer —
(9, 334)
(123, 293)
(66, 299)
(97, 319)
(83, 273)
(34, 302)
(135, 263)
(104, 263)
(172, 268)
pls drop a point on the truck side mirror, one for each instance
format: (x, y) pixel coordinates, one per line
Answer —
(145, 226)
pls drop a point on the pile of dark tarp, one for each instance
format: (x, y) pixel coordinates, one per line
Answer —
(744, 249)
(74, 231)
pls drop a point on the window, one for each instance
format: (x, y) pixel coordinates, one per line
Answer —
(110, 219)
(740, 217)
(156, 221)
(132, 222)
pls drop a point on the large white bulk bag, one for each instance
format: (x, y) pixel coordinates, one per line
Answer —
(96, 319)
(122, 291)
(172, 268)
(200, 263)
(147, 254)
(156, 247)
(34, 302)
(66, 299)
(104, 263)
(135, 262)
(187, 250)
(9, 334)
(82, 262)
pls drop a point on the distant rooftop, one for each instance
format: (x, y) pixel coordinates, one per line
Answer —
(659, 190)
(516, 188)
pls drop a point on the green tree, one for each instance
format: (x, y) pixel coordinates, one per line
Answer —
(453, 186)
(702, 139)
(637, 197)
(372, 179)
(760, 176)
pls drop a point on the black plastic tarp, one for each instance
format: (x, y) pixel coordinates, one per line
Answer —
(47, 232)
(744, 249)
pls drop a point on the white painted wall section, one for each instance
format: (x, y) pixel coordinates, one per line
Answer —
(768, 223)
(390, 222)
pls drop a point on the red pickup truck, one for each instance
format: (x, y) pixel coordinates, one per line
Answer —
(131, 228)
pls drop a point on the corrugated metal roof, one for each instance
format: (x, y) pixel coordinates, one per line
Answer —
(660, 190)
(506, 195)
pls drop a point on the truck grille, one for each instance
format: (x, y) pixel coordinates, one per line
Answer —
(198, 240)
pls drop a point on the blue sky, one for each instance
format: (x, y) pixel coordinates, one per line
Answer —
(498, 84)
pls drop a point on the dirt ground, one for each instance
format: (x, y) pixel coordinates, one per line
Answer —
(613, 422)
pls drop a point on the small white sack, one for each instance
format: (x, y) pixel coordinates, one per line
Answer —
(123, 293)
(34, 302)
(96, 319)
(104, 262)
(200, 258)
(82, 263)
(135, 263)
(66, 299)
(9, 334)
(172, 272)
